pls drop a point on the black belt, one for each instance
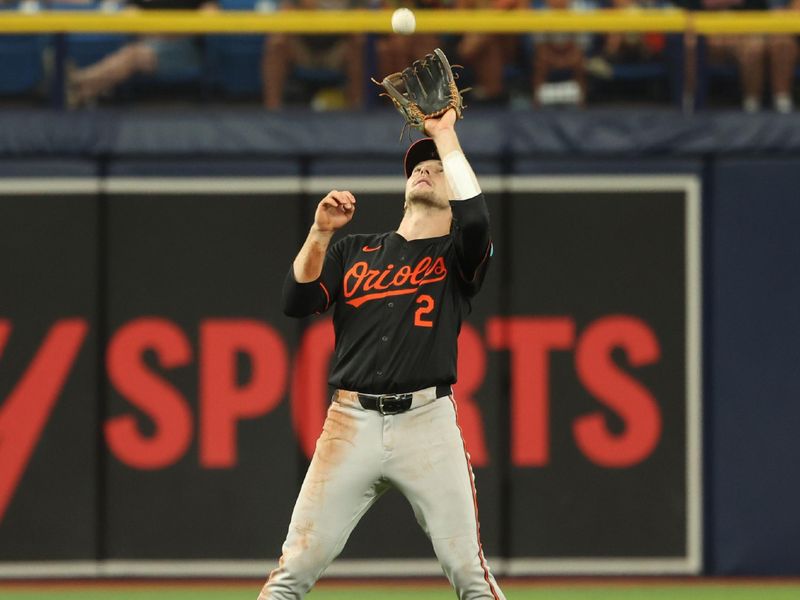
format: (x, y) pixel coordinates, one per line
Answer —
(392, 404)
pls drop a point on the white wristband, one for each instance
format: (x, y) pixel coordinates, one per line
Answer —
(460, 176)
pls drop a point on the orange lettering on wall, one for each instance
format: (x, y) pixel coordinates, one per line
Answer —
(310, 384)
(224, 402)
(472, 372)
(530, 341)
(158, 399)
(25, 412)
(618, 391)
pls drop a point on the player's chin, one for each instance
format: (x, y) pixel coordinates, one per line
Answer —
(423, 196)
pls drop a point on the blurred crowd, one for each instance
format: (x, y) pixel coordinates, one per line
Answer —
(333, 71)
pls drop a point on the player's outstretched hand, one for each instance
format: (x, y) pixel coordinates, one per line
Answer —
(447, 122)
(335, 211)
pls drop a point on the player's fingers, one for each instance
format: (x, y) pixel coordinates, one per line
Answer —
(328, 201)
(330, 198)
(340, 197)
(345, 199)
(337, 205)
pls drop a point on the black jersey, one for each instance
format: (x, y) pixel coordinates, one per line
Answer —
(398, 304)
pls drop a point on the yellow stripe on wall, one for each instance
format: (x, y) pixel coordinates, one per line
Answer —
(441, 21)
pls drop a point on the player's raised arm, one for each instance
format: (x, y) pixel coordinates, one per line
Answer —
(333, 212)
(304, 292)
(470, 213)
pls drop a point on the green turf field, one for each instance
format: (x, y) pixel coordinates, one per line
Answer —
(562, 591)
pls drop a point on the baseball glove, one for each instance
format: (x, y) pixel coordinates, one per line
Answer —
(425, 90)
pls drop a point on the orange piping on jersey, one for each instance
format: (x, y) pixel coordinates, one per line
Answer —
(475, 505)
(327, 296)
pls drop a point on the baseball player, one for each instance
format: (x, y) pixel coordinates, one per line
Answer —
(399, 299)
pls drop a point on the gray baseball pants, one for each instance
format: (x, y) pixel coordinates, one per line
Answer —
(359, 456)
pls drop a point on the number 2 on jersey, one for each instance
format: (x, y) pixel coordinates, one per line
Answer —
(426, 305)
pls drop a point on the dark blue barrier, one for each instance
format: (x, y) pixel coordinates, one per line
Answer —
(204, 167)
(754, 402)
(42, 168)
(489, 133)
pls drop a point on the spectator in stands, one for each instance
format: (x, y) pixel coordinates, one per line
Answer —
(20, 5)
(632, 46)
(782, 51)
(160, 55)
(395, 52)
(488, 53)
(283, 51)
(749, 53)
(628, 47)
(560, 52)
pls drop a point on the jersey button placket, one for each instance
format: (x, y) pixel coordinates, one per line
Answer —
(382, 352)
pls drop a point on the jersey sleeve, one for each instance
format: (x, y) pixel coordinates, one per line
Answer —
(315, 297)
(472, 240)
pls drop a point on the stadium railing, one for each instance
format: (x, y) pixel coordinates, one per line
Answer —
(61, 23)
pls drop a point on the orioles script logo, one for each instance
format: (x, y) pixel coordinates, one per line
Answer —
(390, 282)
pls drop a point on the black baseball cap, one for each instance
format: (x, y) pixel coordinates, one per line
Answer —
(419, 151)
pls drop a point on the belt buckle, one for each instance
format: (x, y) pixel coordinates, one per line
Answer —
(383, 398)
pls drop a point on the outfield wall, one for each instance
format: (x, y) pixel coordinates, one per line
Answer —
(627, 374)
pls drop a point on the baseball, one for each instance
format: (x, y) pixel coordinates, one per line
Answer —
(403, 21)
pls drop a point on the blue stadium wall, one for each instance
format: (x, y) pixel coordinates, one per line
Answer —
(154, 415)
